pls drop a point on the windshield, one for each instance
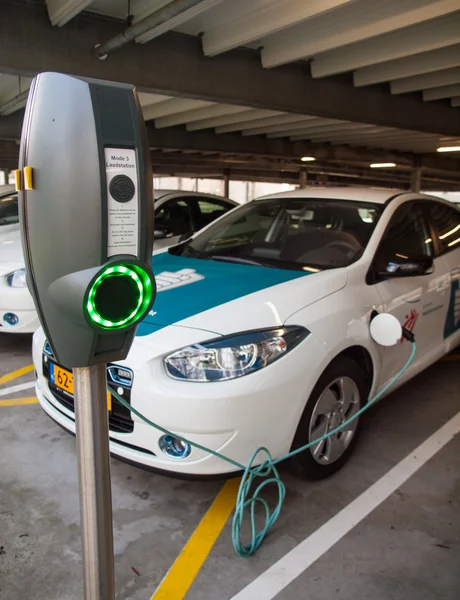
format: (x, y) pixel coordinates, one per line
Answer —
(308, 234)
(9, 210)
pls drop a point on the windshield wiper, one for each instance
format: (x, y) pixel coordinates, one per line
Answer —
(196, 253)
(240, 260)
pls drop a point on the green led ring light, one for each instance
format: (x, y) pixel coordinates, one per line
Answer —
(119, 296)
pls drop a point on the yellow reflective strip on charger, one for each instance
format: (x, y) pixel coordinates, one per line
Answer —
(17, 180)
(28, 178)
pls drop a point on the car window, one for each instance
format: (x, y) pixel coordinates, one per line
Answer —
(210, 211)
(291, 233)
(446, 221)
(407, 235)
(174, 218)
(9, 210)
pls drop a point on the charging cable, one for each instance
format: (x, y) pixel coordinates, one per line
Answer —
(262, 465)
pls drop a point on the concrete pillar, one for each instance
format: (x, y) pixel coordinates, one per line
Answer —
(303, 177)
(227, 183)
(4, 176)
(416, 179)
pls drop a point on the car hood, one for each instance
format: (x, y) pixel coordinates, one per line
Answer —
(11, 255)
(222, 298)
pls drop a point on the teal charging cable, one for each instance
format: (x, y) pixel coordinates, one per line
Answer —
(265, 469)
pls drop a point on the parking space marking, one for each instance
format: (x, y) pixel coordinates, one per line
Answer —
(282, 573)
(16, 374)
(18, 401)
(181, 575)
(17, 388)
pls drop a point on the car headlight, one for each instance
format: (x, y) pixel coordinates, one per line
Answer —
(234, 356)
(17, 279)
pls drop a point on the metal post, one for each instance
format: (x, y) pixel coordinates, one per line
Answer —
(416, 179)
(227, 183)
(303, 178)
(92, 429)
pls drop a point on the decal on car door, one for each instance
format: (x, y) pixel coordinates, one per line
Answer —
(453, 313)
(411, 320)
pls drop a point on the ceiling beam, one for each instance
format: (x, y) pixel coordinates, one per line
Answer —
(198, 114)
(174, 65)
(446, 91)
(426, 81)
(307, 128)
(431, 35)
(306, 122)
(62, 11)
(251, 21)
(172, 107)
(252, 113)
(247, 126)
(349, 24)
(425, 62)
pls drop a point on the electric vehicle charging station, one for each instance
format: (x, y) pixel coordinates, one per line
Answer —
(85, 177)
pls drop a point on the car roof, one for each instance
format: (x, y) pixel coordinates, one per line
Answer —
(6, 189)
(157, 194)
(359, 194)
(161, 194)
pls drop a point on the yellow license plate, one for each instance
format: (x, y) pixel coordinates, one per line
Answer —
(63, 379)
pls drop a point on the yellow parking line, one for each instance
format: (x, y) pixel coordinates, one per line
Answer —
(16, 374)
(18, 401)
(187, 565)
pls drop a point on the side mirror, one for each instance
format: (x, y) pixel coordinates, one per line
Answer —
(161, 234)
(403, 265)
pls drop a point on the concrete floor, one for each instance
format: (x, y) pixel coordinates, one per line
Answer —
(409, 547)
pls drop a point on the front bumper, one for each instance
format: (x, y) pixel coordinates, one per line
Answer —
(17, 301)
(233, 417)
(28, 321)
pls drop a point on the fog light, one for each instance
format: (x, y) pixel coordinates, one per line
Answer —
(174, 447)
(11, 318)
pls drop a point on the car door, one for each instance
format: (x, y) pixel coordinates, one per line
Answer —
(446, 225)
(419, 302)
(173, 221)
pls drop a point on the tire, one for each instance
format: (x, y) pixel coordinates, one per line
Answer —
(323, 460)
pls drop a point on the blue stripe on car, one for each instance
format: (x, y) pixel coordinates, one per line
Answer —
(188, 286)
(452, 323)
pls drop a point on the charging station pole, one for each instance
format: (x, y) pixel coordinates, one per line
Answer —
(92, 428)
(86, 213)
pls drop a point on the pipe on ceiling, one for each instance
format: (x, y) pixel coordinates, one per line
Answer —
(171, 10)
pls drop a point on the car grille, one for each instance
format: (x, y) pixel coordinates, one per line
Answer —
(120, 420)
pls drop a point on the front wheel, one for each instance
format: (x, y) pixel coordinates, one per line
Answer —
(340, 392)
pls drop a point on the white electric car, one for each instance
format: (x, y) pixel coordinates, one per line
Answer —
(259, 335)
(17, 310)
(178, 214)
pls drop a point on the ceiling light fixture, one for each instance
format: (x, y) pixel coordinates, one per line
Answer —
(449, 149)
(382, 165)
(307, 158)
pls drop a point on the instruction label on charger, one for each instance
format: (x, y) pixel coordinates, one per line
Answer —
(122, 201)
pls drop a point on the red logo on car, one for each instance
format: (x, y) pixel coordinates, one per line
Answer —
(411, 320)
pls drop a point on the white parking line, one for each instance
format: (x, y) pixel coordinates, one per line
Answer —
(17, 388)
(295, 562)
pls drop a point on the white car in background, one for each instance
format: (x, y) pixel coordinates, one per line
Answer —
(178, 214)
(17, 310)
(259, 335)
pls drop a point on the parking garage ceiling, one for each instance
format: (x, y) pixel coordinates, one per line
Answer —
(347, 81)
